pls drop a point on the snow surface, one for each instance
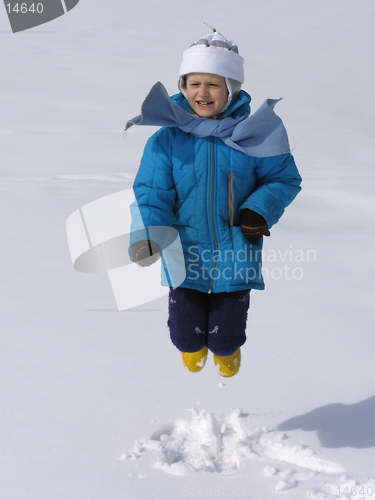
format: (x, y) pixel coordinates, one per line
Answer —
(95, 404)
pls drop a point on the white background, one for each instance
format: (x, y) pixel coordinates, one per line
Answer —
(80, 382)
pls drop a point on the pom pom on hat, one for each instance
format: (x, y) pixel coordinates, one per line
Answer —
(213, 54)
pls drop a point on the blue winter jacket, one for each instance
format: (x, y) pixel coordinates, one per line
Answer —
(199, 186)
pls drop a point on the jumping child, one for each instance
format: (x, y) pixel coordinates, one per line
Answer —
(222, 178)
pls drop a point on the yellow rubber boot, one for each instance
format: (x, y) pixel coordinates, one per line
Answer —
(195, 361)
(227, 366)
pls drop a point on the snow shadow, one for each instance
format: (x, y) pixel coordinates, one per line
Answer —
(339, 425)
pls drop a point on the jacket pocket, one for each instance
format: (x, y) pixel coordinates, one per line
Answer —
(246, 261)
(231, 199)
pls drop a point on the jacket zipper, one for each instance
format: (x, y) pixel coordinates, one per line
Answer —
(231, 200)
(212, 217)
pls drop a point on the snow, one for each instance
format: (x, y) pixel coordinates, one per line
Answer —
(95, 402)
(220, 444)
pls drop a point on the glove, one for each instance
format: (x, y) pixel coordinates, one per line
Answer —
(253, 226)
(146, 253)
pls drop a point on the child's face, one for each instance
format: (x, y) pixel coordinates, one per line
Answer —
(207, 94)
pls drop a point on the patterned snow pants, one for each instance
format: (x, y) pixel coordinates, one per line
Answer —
(216, 320)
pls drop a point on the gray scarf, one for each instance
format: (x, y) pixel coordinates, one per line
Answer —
(261, 134)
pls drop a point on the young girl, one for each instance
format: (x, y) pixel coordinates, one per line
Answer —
(222, 178)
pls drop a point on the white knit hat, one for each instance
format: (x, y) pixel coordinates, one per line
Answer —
(213, 54)
(217, 55)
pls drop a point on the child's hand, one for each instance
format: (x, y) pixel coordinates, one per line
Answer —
(146, 253)
(253, 225)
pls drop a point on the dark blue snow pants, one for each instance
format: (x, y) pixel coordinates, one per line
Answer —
(216, 320)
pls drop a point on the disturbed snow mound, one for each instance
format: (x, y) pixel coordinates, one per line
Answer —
(211, 443)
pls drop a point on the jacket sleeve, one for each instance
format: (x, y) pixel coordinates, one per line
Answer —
(278, 184)
(154, 188)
